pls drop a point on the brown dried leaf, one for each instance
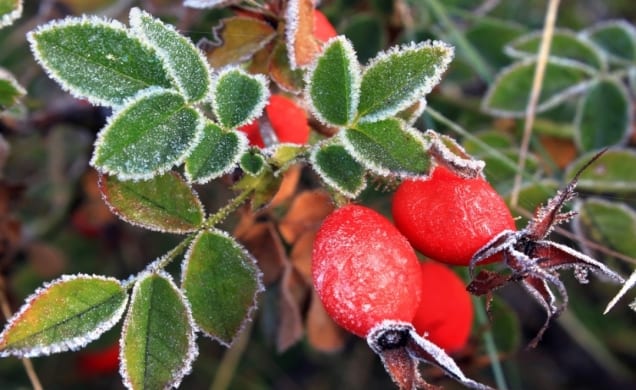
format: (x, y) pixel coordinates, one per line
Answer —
(263, 242)
(305, 214)
(562, 150)
(302, 46)
(288, 186)
(293, 294)
(322, 332)
(300, 255)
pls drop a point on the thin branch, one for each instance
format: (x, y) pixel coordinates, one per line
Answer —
(537, 83)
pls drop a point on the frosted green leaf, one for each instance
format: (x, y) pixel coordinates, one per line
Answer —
(184, 61)
(210, 3)
(158, 338)
(96, 59)
(238, 97)
(489, 36)
(401, 76)
(252, 163)
(150, 135)
(508, 96)
(338, 169)
(612, 223)
(333, 83)
(10, 90)
(217, 154)
(220, 280)
(565, 44)
(616, 37)
(164, 203)
(604, 116)
(10, 10)
(63, 315)
(387, 148)
(612, 172)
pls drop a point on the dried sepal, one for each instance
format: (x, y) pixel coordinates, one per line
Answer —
(401, 349)
(447, 152)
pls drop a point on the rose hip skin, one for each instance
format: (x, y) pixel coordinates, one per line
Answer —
(445, 314)
(449, 218)
(364, 270)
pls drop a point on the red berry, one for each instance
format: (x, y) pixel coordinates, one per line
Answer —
(448, 218)
(364, 270)
(100, 362)
(445, 313)
(323, 29)
(253, 132)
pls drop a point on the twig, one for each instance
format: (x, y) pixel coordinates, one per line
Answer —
(537, 83)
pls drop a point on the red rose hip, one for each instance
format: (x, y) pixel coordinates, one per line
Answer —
(445, 314)
(447, 217)
(364, 270)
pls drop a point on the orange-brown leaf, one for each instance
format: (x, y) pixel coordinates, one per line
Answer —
(305, 214)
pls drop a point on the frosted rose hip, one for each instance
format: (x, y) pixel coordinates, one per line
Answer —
(364, 270)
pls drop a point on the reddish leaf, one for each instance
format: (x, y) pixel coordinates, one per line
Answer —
(299, 30)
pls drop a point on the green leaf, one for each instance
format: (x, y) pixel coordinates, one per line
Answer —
(10, 90)
(401, 76)
(611, 223)
(158, 337)
(150, 135)
(509, 94)
(612, 172)
(338, 169)
(252, 163)
(96, 59)
(387, 148)
(604, 116)
(217, 153)
(236, 39)
(259, 178)
(221, 281)
(334, 83)
(184, 61)
(280, 71)
(616, 37)
(165, 203)
(10, 10)
(63, 315)
(490, 36)
(565, 45)
(238, 97)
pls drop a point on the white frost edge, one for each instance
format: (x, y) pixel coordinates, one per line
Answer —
(127, 106)
(136, 23)
(628, 27)
(124, 218)
(550, 103)
(291, 27)
(378, 169)
(629, 118)
(203, 4)
(511, 50)
(421, 107)
(6, 75)
(324, 177)
(354, 71)
(242, 147)
(71, 344)
(193, 351)
(258, 108)
(79, 92)
(8, 18)
(258, 274)
(419, 92)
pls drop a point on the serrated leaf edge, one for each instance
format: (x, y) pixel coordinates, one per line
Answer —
(375, 168)
(71, 344)
(5, 75)
(242, 147)
(628, 120)
(511, 50)
(8, 18)
(324, 177)
(136, 16)
(193, 351)
(121, 216)
(631, 30)
(258, 108)
(79, 92)
(356, 78)
(259, 281)
(423, 89)
(146, 93)
(550, 103)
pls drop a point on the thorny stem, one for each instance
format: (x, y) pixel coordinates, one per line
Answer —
(26, 362)
(537, 83)
(220, 215)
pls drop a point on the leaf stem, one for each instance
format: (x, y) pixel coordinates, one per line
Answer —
(220, 215)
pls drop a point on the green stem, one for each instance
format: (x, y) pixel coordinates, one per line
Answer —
(489, 343)
(473, 57)
(234, 204)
